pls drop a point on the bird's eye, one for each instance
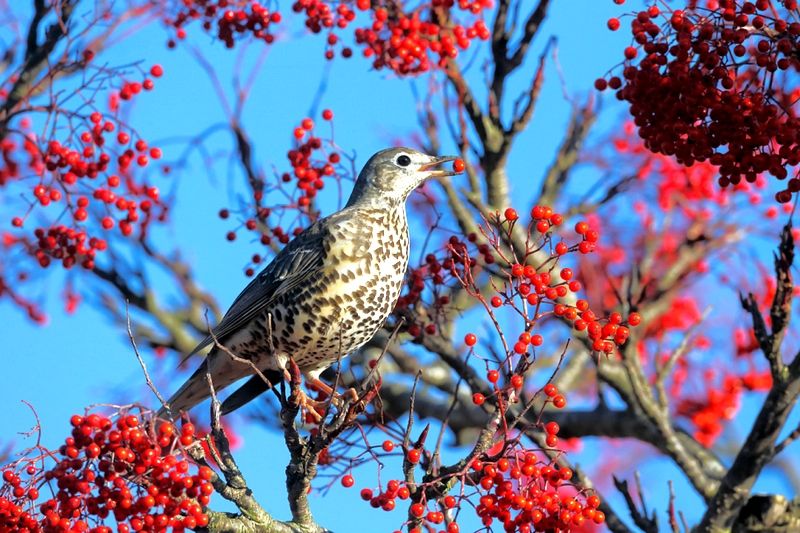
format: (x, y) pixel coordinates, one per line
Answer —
(403, 160)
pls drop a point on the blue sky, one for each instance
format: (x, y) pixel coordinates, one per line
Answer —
(83, 359)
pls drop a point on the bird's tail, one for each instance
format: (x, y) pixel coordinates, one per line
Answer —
(223, 371)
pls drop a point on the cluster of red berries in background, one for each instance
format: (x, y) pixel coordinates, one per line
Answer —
(528, 287)
(229, 20)
(715, 398)
(522, 489)
(411, 43)
(717, 402)
(314, 160)
(692, 191)
(320, 16)
(702, 84)
(435, 275)
(526, 492)
(94, 184)
(76, 192)
(532, 288)
(106, 469)
(407, 42)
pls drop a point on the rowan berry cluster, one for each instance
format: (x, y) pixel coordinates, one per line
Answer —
(383, 499)
(718, 403)
(416, 42)
(229, 20)
(121, 469)
(314, 160)
(535, 288)
(527, 492)
(311, 162)
(98, 190)
(435, 276)
(705, 88)
(407, 42)
(521, 488)
(76, 188)
(321, 16)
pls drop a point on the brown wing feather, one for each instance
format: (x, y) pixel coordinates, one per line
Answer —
(301, 258)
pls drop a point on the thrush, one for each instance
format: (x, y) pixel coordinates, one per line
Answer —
(324, 295)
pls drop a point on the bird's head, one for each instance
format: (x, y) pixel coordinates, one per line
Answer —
(390, 175)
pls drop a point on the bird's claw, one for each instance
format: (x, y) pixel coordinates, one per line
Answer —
(314, 409)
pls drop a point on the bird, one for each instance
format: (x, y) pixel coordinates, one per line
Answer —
(324, 295)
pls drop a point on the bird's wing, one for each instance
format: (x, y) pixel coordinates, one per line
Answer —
(302, 257)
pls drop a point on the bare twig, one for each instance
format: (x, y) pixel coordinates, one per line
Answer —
(141, 361)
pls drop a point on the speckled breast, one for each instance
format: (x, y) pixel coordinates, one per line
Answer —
(342, 306)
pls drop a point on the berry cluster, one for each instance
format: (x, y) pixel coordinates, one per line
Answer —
(243, 19)
(307, 172)
(416, 42)
(121, 469)
(527, 493)
(707, 87)
(314, 160)
(412, 42)
(522, 488)
(436, 274)
(383, 499)
(532, 286)
(77, 187)
(528, 286)
(67, 173)
(320, 16)
(717, 403)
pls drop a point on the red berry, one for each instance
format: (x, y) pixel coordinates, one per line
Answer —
(470, 339)
(348, 481)
(327, 114)
(413, 455)
(458, 165)
(478, 398)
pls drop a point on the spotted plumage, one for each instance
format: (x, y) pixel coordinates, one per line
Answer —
(326, 293)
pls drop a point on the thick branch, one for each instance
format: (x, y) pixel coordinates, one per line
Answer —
(37, 54)
(760, 446)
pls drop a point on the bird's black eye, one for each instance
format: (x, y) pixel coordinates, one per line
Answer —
(403, 160)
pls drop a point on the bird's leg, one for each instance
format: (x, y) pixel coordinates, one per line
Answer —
(350, 394)
(307, 404)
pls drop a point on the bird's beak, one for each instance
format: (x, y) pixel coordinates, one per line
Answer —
(433, 172)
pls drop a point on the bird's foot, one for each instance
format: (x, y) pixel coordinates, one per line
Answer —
(313, 410)
(340, 401)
